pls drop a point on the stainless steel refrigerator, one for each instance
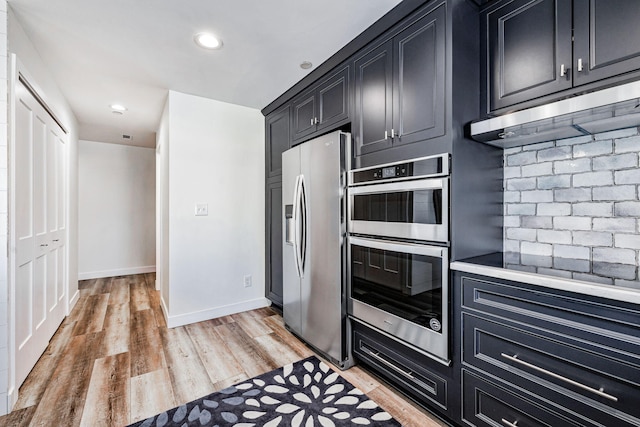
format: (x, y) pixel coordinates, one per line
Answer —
(314, 248)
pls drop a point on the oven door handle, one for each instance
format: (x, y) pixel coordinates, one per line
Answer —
(387, 245)
(423, 184)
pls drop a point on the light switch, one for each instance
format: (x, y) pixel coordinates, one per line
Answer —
(202, 209)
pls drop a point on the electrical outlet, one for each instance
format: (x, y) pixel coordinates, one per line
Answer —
(247, 281)
(202, 209)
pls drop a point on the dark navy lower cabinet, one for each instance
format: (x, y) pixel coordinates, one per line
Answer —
(427, 382)
(533, 356)
(491, 403)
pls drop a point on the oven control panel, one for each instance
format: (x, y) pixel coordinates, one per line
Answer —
(390, 172)
(418, 168)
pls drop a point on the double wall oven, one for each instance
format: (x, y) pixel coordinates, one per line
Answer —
(399, 251)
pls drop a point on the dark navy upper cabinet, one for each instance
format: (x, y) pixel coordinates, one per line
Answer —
(419, 83)
(324, 106)
(537, 51)
(607, 39)
(528, 50)
(400, 87)
(277, 140)
(373, 100)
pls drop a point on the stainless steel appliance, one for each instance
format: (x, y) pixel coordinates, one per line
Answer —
(314, 251)
(587, 114)
(398, 251)
(408, 200)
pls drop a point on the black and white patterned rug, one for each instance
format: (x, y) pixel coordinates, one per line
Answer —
(303, 394)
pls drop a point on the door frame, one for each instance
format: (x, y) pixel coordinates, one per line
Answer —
(17, 70)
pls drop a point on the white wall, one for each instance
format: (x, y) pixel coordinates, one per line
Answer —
(116, 210)
(162, 213)
(216, 157)
(18, 42)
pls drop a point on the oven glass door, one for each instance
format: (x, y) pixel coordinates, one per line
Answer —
(406, 280)
(409, 209)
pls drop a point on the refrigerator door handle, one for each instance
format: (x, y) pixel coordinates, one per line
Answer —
(293, 223)
(304, 226)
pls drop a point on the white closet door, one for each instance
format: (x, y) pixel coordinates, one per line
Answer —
(40, 229)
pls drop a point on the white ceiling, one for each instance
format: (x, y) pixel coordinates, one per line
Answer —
(132, 51)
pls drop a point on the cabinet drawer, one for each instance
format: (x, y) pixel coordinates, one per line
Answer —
(596, 324)
(600, 388)
(396, 363)
(487, 404)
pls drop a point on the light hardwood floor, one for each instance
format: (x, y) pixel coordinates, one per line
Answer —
(113, 361)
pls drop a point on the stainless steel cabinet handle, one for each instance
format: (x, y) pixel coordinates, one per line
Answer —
(386, 135)
(316, 121)
(509, 423)
(580, 67)
(560, 377)
(563, 70)
(393, 134)
(387, 363)
(311, 121)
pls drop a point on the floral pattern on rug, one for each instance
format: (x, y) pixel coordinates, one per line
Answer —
(307, 393)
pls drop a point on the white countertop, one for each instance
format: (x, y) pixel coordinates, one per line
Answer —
(618, 293)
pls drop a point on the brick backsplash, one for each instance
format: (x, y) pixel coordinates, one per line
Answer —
(577, 200)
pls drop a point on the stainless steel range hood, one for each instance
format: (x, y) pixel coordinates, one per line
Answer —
(607, 109)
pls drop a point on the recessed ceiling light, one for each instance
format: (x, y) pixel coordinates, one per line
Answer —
(207, 41)
(305, 65)
(118, 107)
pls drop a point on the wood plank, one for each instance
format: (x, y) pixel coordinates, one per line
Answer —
(145, 344)
(154, 301)
(213, 352)
(277, 325)
(108, 393)
(119, 291)
(277, 349)
(18, 417)
(102, 286)
(252, 358)
(151, 393)
(38, 379)
(405, 412)
(92, 318)
(66, 392)
(86, 284)
(252, 326)
(189, 378)
(221, 385)
(117, 329)
(138, 296)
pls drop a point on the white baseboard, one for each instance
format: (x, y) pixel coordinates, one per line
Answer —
(74, 299)
(212, 313)
(117, 272)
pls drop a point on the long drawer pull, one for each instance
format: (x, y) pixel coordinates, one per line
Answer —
(560, 377)
(376, 355)
(509, 423)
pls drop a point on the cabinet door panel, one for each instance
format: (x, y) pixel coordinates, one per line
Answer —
(274, 243)
(528, 43)
(419, 84)
(373, 100)
(333, 99)
(278, 130)
(607, 38)
(304, 115)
